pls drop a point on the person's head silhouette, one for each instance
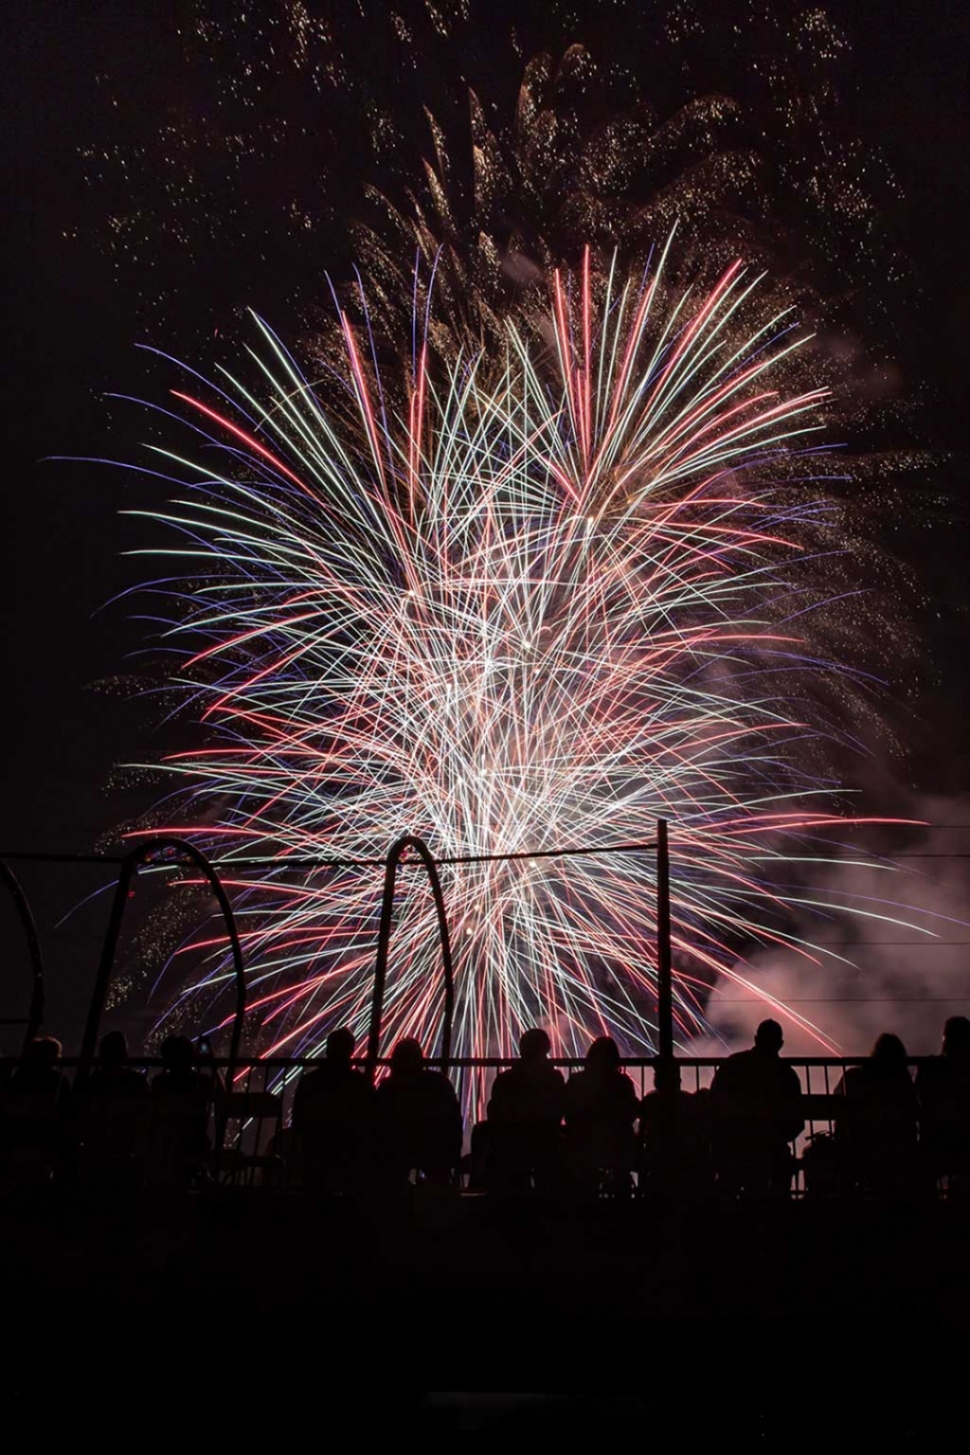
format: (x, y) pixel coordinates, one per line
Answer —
(113, 1050)
(666, 1075)
(769, 1038)
(956, 1037)
(43, 1051)
(603, 1056)
(407, 1058)
(534, 1045)
(176, 1053)
(889, 1052)
(340, 1046)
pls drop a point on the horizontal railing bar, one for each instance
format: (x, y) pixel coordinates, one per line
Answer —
(282, 862)
(482, 1063)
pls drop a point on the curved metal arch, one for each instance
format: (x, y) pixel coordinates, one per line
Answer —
(409, 841)
(99, 996)
(35, 1011)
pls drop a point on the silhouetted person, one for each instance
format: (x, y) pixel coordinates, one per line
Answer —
(178, 1072)
(525, 1114)
(112, 1074)
(181, 1097)
(600, 1106)
(35, 1109)
(333, 1116)
(111, 1109)
(531, 1090)
(755, 1104)
(943, 1091)
(876, 1133)
(675, 1134)
(417, 1118)
(39, 1071)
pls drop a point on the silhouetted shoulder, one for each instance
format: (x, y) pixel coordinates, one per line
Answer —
(791, 1079)
(437, 1083)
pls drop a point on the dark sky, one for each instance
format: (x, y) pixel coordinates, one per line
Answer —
(70, 321)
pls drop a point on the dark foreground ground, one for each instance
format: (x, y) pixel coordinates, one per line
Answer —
(199, 1317)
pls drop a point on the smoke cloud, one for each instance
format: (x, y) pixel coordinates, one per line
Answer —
(894, 956)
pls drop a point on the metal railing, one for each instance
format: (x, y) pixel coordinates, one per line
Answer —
(252, 1097)
(250, 1100)
(171, 852)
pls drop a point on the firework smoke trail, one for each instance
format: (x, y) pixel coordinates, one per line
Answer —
(534, 608)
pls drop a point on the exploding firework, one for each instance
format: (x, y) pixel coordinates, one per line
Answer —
(508, 135)
(546, 599)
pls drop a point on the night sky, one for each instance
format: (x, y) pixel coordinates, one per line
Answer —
(86, 81)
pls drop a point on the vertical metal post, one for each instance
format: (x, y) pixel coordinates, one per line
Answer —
(35, 1012)
(383, 947)
(665, 986)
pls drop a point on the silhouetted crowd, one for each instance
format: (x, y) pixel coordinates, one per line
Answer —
(591, 1134)
(113, 1123)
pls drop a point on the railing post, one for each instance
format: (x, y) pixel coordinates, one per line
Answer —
(665, 988)
(383, 945)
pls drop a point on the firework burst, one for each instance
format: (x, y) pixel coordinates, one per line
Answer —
(539, 604)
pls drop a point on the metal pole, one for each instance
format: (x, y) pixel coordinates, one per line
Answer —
(383, 945)
(99, 995)
(35, 1011)
(665, 987)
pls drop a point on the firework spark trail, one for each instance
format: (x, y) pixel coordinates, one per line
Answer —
(533, 608)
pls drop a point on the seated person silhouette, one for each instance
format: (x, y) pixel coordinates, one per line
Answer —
(111, 1112)
(525, 1111)
(755, 1107)
(35, 1112)
(675, 1136)
(876, 1133)
(943, 1091)
(332, 1116)
(38, 1072)
(600, 1106)
(112, 1074)
(417, 1120)
(181, 1099)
